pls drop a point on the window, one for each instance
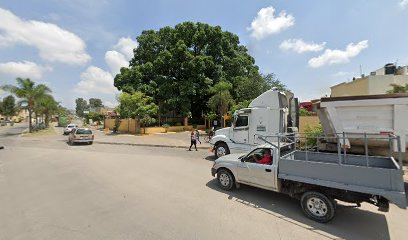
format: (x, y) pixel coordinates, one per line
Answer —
(242, 121)
(83, 131)
(260, 155)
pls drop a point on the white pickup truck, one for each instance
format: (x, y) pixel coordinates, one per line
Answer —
(317, 179)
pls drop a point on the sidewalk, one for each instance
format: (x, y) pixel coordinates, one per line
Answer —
(171, 140)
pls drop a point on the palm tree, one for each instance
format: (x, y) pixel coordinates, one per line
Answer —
(221, 99)
(47, 106)
(29, 93)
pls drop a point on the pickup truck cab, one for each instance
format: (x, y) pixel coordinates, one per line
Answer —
(317, 179)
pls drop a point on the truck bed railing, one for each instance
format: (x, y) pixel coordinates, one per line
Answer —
(310, 141)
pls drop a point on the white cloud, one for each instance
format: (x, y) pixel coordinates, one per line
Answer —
(126, 46)
(53, 43)
(110, 104)
(265, 23)
(299, 46)
(336, 56)
(342, 74)
(115, 61)
(95, 80)
(24, 69)
(121, 55)
(403, 4)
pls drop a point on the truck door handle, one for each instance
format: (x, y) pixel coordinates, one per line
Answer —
(268, 170)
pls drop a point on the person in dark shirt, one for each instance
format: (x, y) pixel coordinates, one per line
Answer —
(193, 137)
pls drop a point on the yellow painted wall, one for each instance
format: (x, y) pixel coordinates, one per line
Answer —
(130, 126)
(356, 87)
(381, 84)
(370, 85)
(126, 125)
(154, 130)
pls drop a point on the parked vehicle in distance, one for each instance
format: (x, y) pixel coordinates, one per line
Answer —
(69, 128)
(317, 179)
(81, 135)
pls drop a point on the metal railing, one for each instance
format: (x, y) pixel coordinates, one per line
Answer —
(299, 141)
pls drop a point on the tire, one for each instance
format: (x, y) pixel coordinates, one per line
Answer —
(90, 143)
(225, 179)
(318, 206)
(221, 149)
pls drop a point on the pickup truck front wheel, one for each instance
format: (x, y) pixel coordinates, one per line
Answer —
(225, 179)
(318, 206)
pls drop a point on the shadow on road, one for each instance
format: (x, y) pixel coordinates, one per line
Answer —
(349, 222)
(77, 144)
(210, 158)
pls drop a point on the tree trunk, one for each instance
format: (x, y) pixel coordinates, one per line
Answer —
(30, 125)
(47, 121)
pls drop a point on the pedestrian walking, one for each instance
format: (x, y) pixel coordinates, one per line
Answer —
(193, 137)
(197, 135)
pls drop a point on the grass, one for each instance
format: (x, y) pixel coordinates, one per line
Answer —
(44, 132)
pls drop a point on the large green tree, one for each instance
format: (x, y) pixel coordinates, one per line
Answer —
(95, 103)
(271, 81)
(178, 65)
(29, 93)
(81, 106)
(137, 105)
(8, 106)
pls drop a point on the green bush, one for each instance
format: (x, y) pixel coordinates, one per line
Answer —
(178, 124)
(166, 125)
(304, 112)
(311, 132)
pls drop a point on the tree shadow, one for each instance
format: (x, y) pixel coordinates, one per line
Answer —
(349, 222)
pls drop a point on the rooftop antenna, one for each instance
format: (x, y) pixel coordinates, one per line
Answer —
(361, 70)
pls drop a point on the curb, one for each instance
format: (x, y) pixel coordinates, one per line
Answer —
(146, 145)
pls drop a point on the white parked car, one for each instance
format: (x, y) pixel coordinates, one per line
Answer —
(69, 128)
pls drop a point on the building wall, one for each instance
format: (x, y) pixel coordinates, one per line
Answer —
(131, 126)
(382, 84)
(356, 87)
(369, 85)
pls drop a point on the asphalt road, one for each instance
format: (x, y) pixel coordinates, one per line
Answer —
(50, 190)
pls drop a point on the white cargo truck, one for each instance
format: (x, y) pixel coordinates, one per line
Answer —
(270, 113)
(372, 114)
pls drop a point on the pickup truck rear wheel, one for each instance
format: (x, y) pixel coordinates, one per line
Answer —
(221, 149)
(225, 179)
(318, 206)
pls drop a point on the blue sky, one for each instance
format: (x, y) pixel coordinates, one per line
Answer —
(77, 46)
